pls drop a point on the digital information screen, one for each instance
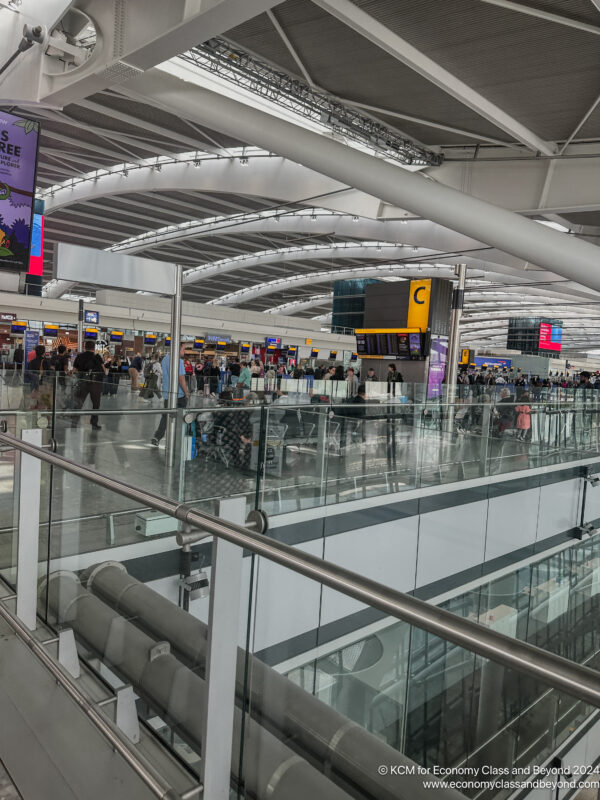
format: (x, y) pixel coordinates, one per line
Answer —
(332, 355)
(550, 337)
(314, 353)
(245, 348)
(274, 340)
(90, 333)
(150, 338)
(198, 343)
(18, 327)
(91, 317)
(221, 345)
(415, 345)
(50, 330)
(400, 346)
(116, 336)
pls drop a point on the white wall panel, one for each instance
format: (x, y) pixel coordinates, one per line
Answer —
(559, 508)
(512, 522)
(592, 503)
(450, 541)
(387, 553)
(287, 604)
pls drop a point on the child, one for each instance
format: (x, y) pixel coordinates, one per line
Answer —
(523, 413)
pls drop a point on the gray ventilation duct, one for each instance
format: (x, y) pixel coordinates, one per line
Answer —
(343, 749)
(565, 255)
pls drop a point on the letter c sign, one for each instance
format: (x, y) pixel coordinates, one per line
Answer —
(419, 299)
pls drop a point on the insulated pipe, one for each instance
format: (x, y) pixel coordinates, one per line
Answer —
(572, 258)
(349, 752)
(271, 770)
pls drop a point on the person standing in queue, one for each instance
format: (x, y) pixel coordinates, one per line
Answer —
(135, 368)
(90, 371)
(183, 393)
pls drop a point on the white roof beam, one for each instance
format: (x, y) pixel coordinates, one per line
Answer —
(290, 47)
(548, 16)
(367, 26)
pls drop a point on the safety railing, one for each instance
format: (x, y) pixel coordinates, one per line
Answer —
(62, 597)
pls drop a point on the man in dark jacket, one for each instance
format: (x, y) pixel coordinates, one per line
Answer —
(90, 372)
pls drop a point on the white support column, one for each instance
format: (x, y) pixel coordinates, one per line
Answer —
(30, 473)
(221, 658)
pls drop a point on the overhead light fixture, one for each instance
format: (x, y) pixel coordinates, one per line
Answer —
(244, 161)
(313, 217)
(415, 249)
(354, 219)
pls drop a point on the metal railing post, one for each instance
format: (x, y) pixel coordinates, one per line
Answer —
(221, 656)
(30, 473)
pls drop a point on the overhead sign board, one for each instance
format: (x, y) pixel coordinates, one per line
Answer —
(18, 162)
(418, 304)
(117, 270)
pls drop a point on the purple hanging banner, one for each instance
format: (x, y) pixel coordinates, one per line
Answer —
(18, 164)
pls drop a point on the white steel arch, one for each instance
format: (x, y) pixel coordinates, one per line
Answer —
(380, 271)
(286, 309)
(384, 251)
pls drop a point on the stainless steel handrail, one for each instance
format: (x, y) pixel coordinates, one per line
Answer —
(551, 669)
(136, 761)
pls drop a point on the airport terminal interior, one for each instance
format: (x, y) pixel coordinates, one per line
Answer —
(300, 399)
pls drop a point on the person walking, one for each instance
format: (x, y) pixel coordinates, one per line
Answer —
(183, 393)
(90, 370)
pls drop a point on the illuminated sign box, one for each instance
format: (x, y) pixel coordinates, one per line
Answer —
(168, 341)
(221, 345)
(116, 336)
(314, 353)
(18, 327)
(274, 340)
(332, 355)
(90, 333)
(50, 330)
(198, 343)
(245, 348)
(550, 337)
(91, 317)
(150, 338)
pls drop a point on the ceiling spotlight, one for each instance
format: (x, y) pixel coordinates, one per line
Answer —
(404, 221)
(415, 249)
(313, 217)
(125, 173)
(354, 219)
(276, 219)
(244, 161)
(197, 162)
(378, 248)
(158, 167)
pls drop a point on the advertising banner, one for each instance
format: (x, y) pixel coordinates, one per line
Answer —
(18, 162)
(437, 366)
(30, 342)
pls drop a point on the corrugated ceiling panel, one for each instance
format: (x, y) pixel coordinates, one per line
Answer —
(542, 73)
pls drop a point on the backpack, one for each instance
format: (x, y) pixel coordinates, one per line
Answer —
(148, 369)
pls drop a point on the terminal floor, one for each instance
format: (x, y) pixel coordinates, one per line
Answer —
(365, 462)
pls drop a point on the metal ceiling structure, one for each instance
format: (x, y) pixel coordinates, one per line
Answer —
(495, 98)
